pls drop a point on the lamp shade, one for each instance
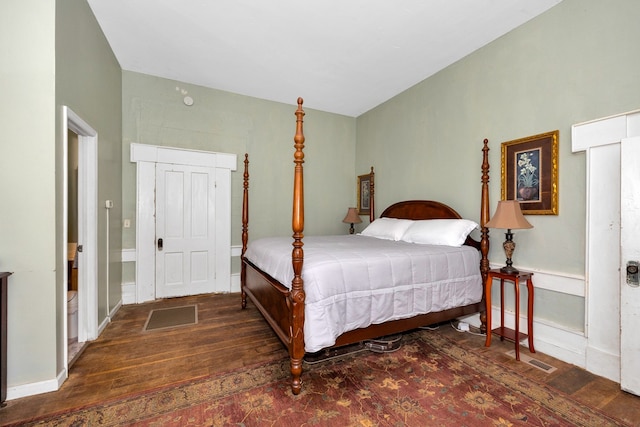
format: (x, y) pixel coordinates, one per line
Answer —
(508, 216)
(352, 217)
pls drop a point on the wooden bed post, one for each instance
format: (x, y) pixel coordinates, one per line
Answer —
(245, 228)
(372, 214)
(297, 295)
(484, 231)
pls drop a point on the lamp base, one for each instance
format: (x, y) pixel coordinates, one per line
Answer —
(509, 270)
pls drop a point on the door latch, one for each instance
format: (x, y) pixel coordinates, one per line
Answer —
(160, 244)
(632, 274)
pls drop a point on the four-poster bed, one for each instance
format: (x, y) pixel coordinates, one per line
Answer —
(354, 302)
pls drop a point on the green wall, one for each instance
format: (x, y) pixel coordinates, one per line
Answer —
(27, 220)
(154, 113)
(52, 53)
(576, 62)
(89, 81)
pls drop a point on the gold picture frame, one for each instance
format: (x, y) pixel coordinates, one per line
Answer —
(365, 189)
(529, 173)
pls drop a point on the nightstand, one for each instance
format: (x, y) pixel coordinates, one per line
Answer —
(510, 334)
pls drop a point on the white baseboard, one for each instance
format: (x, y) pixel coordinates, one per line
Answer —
(129, 293)
(553, 340)
(235, 283)
(30, 389)
(603, 363)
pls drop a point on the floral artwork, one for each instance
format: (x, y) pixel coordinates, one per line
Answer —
(365, 193)
(530, 173)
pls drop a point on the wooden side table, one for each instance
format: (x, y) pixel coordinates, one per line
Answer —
(510, 334)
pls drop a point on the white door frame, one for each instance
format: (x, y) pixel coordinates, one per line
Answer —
(600, 139)
(629, 251)
(87, 226)
(146, 156)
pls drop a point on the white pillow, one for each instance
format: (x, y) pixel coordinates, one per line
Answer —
(444, 232)
(387, 228)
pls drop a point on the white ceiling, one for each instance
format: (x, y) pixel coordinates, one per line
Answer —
(341, 56)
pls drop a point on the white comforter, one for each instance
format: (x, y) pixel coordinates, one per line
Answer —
(353, 281)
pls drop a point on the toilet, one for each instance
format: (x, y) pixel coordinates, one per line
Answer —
(72, 314)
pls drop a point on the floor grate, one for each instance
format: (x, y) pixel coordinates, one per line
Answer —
(533, 362)
(164, 318)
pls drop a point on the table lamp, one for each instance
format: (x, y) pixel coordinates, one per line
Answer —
(508, 216)
(352, 218)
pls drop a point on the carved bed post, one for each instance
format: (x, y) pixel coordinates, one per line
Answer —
(297, 295)
(372, 214)
(245, 227)
(484, 231)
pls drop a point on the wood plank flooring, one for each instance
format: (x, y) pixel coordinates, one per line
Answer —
(125, 359)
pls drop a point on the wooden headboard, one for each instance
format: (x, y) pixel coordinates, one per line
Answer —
(425, 209)
(420, 209)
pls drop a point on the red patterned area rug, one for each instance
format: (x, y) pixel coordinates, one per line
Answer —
(430, 381)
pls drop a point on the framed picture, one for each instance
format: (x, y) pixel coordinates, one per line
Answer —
(530, 173)
(365, 183)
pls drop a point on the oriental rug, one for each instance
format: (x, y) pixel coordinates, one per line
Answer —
(429, 381)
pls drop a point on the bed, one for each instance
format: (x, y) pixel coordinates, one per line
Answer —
(342, 290)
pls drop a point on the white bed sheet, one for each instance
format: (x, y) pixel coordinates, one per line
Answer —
(353, 281)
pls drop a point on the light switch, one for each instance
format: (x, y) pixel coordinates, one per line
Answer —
(127, 223)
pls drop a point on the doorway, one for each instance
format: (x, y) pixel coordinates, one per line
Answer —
(150, 158)
(612, 304)
(73, 345)
(185, 230)
(85, 257)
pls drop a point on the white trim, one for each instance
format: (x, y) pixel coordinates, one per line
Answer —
(564, 283)
(603, 355)
(30, 389)
(145, 232)
(604, 131)
(235, 283)
(88, 202)
(146, 156)
(551, 339)
(223, 229)
(129, 293)
(236, 250)
(129, 288)
(181, 156)
(128, 255)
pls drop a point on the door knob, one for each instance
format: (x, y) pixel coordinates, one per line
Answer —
(632, 273)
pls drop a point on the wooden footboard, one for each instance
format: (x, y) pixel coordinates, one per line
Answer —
(271, 298)
(283, 307)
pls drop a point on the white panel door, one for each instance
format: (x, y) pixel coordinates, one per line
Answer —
(185, 230)
(630, 251)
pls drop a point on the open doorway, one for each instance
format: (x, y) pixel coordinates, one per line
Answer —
(73, 345)
(80, 228)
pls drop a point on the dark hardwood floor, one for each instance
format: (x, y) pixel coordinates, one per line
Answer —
(125, 359)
